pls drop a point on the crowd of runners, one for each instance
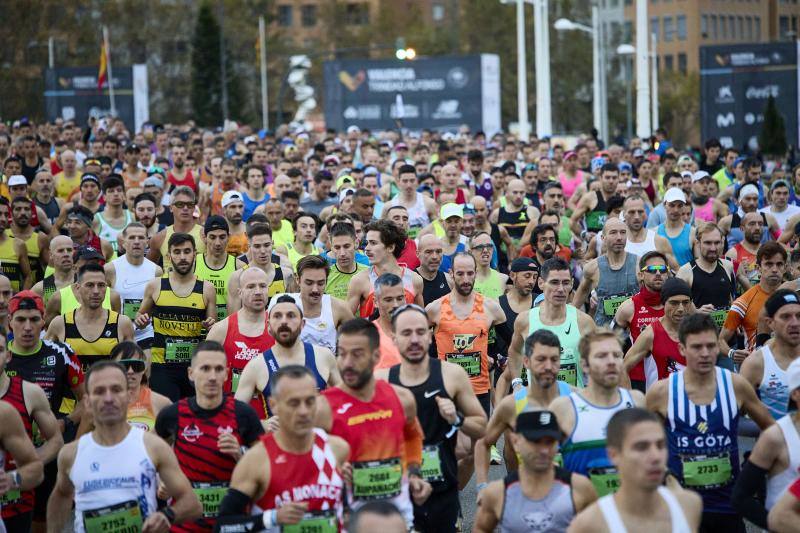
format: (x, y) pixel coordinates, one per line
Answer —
(232, 330)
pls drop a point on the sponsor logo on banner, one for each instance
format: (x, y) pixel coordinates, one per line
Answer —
(447, 109)
(725, 121)
(363, 112)
(457, 78)
(762, 93)
(724, 95)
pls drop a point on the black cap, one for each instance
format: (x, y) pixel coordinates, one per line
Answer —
(88, 253)
(534, 425)
(216, 222)
(524, 264)
(778, 299)
(674, 287)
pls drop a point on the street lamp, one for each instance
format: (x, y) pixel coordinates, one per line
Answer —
(599, 99)
(627, 51)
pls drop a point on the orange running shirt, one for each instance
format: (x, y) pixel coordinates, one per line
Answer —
(745, 311)
(465, 342)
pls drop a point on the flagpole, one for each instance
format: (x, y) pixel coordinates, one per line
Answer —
(262, 40)
(110, 73)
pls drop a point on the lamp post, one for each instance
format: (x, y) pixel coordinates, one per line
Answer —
(599, 97)
(627, 51)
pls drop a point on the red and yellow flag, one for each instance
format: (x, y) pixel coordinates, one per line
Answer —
(101, 72)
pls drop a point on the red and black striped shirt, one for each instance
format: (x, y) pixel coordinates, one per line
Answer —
(15, 503)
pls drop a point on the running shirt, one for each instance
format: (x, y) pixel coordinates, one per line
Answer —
(65, 185)
(549, 514)
(240, 349)
(14, 502)
(91, 351)
(643, 316)
(69, 300)
(53, 366)
(465, 342)
(608, 507)
(570, 335)
(113, 494)
(319, 330)
(417, 214)
(311, 477)
(283, 235)
(177, 324)
(48, 288)
(219, 278)
(640, 248)
(32, 247)
(9, 262)
(515, 223)
(716, 288)
(375, 432)
(434, 289)
(746, 262)
(109, 232)
(777, 484)
(338, 281)
(51, 209)
(595, 219)
(140, 411)
(295, 256)
(273, 366)
(681, 244)
(199, 244)
(614, 286)
(368, 305)
(665, 358)
(251, 205)
(389, 354)
(745, 312)
(237, 244)
(773, 391)
(704, 212)
(584, 451)
(702, 439)
(130, 282)
(490, 287)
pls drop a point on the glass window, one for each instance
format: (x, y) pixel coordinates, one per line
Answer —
(669, 29)
(749, 28)
(654, 27)
(704, 26)
(732, 26)
(668, 63)
(357, 14)
(758, 28)
(284, 16)
(681, 23)
(308, 15)
(682, 63)
(437, 12)
(627, 33)
(740, 26)
(713, 20)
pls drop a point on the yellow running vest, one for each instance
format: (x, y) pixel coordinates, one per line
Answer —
(69, 301)
(9, 263)
(91, 351)
(177, 323)
(196, 232)
(218, 278)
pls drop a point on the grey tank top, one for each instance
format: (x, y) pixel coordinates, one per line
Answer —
(614, 287)
(551, 514)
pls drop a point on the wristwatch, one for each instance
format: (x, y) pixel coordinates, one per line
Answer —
(414, 471)
(16, 479)
(169, 512)
(459, 420)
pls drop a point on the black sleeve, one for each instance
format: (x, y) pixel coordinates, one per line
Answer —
(250, 427)
(167, 423)
(233, 515)
(751, 483)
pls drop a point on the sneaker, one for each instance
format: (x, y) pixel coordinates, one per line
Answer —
(496, 458)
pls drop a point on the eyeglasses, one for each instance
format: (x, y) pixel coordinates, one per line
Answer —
(656, 269)
(137, 365)
(482, 246)
(183, 205)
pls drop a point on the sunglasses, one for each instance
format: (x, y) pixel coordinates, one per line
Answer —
(482, 247)
(137, 365)
(183, 205)
(656, 269)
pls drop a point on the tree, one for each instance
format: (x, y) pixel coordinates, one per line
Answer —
(206, 90)
(679, 106)
(772, 139)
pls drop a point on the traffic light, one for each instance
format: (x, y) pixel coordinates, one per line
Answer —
(401, 52)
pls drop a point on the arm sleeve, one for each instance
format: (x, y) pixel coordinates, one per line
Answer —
(412, 433)
(233, 514)
(167, 423)
(250, 427)
(751, 483)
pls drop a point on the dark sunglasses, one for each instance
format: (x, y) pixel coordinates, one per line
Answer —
(137, 365)
(653, 269)
(183, 205)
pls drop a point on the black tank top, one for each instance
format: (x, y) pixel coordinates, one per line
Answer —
(515, 223)
(436, 429)
(505, 331)
(706, 287)
(50, 209)
(435, 288)
(502, 257)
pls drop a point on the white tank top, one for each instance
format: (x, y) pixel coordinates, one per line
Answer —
(321, 330)
(773, 391)
(417, 214)
(109, 490)
(109, 232)
(130, 283)
(614, 521)
(641, 248)
(777, 484)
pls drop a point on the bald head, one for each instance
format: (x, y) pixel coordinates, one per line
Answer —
(60, 241)
(429, 240)
(613, 224)
(478, 202)
(253, 288)
(430, 251)
(749, 217)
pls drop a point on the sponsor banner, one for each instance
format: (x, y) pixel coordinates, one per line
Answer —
(735, 83)
(441, 93)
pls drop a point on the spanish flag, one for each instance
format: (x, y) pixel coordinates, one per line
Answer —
(102, 72)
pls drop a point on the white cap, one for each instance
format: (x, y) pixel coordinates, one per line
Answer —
(699, 175)
(451, 210)
(344, 193)
(686, 174)
(353, 129)
(674, 195)
(793, 378)
(231, 196)
(17, 179)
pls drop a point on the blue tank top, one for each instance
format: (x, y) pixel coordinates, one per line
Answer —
(447, 260)
(681, 245)
(273, 366)
(703, 450)
(251, 205)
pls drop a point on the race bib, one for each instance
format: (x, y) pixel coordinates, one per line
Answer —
(604, 479)
(130, 308)
(314, 522)
(612, 303)
(707, 472)
(595, 220)
(568, 373)
(210, 496)
(471, 362)
(222, 312)
(178, 350)
(431, 464)
(377, 480)
(235, 377)
(719, 316)
(124, 517)
(12, 496)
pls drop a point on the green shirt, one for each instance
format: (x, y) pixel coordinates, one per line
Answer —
(338, 281)
(569, 334)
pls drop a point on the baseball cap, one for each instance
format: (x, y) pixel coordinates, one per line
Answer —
(371, 171)
(597, 163)
(344, 193)
(88, 253)
(534, 425)
(331, 159)
(524, 264)
(451, 210)
(638, 152)
(17, 179)
(699, 175)
(154, 181)
(792, 377)
(25, 300)
(624, 166)
(570, 155)
(401, 146)
(353, 129)
(229, 197)
(347, 179)
(216, 222)
(674, 195)
(778, 299)
(90, 177)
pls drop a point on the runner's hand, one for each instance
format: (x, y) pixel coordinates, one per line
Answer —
(208, 322)
(706, 309)
(156, 523)
(447, 409)
(5, 483)
(347, 472)
(142, 320)
(162, 492)
(291, 512)
(420, 489)
(739, 356)
(228, 445)
(273, 424)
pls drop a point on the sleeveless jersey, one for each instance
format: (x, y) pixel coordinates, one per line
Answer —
(338, 281)
(91, 351)
(284, 235)
(704, 212)
(15, 502)
(53, 366)
(643, 316)
(208, 469)
(51, 208)
(9, 262)
(584, 451)
(368, 305)
(773, 391)
(614, 286)
(570, 335)
(465, 342)
(680, 244)
(311, 477)
(640, 248)
(777, 484)
(491, 286)
(251, 205)
(702, 439)
(237, 244)
(295, 256)
(521, 397)
(109, 232)
(665, 357)
(48, 288)
(113, 494)
(596, 218)
(434, 289)
(273, 366)
(216, 197)
(550, 514)
(439, 465)
(199, 245)
(614, 521)
(514, 222)
(140, 410)
(69, 300)
(746, 261)
(569, 185)
(32, 246)
(417, 214)
(65, 185)
(217, 277)
(716, 288)
(187, 180)
(319, 330)
(240, 349)
(130, 282)
(374, 431)
(177, 323)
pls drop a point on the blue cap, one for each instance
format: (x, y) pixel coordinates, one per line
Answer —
(625, 166)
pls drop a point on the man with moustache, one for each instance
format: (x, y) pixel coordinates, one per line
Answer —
(285, 324)
(710, 277)
(435, 283)
(446, 404)
(743, 254)
(144, 211)
(641, 239)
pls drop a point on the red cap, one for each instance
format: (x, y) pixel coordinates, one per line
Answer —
(33, 299)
